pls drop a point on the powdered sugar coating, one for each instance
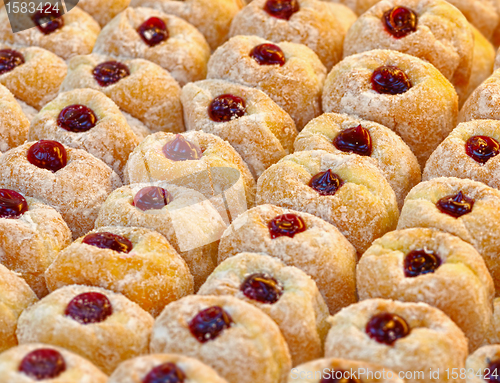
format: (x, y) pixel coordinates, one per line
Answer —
(321, 251)
(252, 340)
(262, 136)
(423, 116)
(393, 157)
(363, 209)
(122, 335)
(210, 17)
(493, 334)
(300, 313)
(15, 296)
(295, 86)
(111, 139)
(189, 219)
(135, 370)
(483, 103)
(14, 125)
(152, 274)
(78, 369)
(76, 37)
(482, 61)
(434, 340)
(184, 54)
(103, 11)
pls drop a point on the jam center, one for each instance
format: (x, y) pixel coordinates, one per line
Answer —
(152, 198)
(354, 140)
(390, 80)
(153, 31)
(110, 72)
(268, 54)
(77, 118)
(165, 373)
(226, 107)
(49, 155)
(282, 9)
(420, 262)
(387, 328)
(262, 287)
(180, 149)
(48, 20)
(482, 148)
(455, 205)
(326, 183)
(108, 241)
(43, 364)
(210, 323)
(400, 21)
(286, 225)
(9, 59)
(493, 373)
(12, 204)
(89, 308)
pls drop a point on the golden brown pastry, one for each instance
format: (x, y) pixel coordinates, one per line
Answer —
(102, 326)
(14, 124)
(103, 10)
(483, 365)
(425, 265)
(87, 119)
(340, 133)
(468, 209)
(291, 74)
(391, 88)
(231, 336)
(15, 296)
(482, 61)
(136, 262)
(482, 104)
(164, 39)
(139, 87)
(210, 17)
(413, 339)
(189, 222)
(71, 34)
(35, 362)
(259, 130)
(347, 190)
(169, 367)
(470, 151)
(285, 293)
(301, 240)
(493, 334)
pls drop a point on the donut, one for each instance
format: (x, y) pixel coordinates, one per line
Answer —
(425, 265)
(465, 208)
(139, 87)
(136, 262)
(15, 296)
(14, 125)
(260, 131)
(34, 362)
(483, 365)
(103, 11)
(347, 190)
(391, 88)
(86, 119)
(210, 17)
(189, 222)
(482, 104)
(231, 336)
(291, 74)
(301, 240)
(166, 367)
(288, 295)
(104, 327)
(415, 340)
(341, 133)
(67, 35)
(432, 30)
(309, 22)
(164, 39)
(469, 151)
(31, 236)
(482, 62)
(493, 334)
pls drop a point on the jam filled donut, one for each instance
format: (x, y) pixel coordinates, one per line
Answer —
(35, 362)
(137, 262)
(482, 61)
(72, 181)
(483, 103)
(349, 191)
(188, 221)
(484, 365)
(432, 30)
(196, 160)
(32, 74)
(231, 336)
(102, 10)
(284, 293)
(391, 88)
(292, 237)
(309, 22)
(15, 296)
(87, 119)
(260, 131)
(31, 236)
(425, 265)
(468, 209)
(14, 125)
(210, 17)
(68, 35)
(410, 338)
(168, 368)
(291, 74)
(340, 133)
(470, 151)
(164, 39)
(342, 370)
(102, 326)
(139, 87)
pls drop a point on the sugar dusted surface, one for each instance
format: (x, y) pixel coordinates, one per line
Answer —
(14, 124)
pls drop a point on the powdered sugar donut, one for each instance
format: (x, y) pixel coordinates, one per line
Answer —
(164, 39)
(493, 334)
(482, 104)
(103, 11)
(102, 326)
(14, 124)
(483, 364)
(482, 61)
